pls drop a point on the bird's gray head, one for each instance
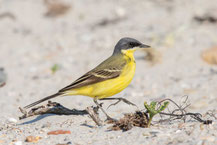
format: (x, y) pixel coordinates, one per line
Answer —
(127, 43)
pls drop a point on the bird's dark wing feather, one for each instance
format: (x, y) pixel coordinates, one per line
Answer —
(92, 77)
(108, 69)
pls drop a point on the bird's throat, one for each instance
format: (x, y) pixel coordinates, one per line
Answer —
(129, 54)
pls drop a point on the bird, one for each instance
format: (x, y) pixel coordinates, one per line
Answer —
(108, 78)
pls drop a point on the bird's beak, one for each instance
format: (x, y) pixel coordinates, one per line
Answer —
(141, 47)
(144, 46)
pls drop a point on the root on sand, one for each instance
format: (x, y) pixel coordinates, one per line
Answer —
(130, 120)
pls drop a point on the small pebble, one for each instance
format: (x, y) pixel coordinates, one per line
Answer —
(146, 134)
(178, 131)
(46, 125)
(32, 139)
(12, 120)
(18, 143)
(120, 12)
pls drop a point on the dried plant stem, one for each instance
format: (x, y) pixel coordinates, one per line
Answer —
(93, 113)
(181, 108)
(51, 108)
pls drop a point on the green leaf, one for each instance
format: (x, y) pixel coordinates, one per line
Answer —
(152, 109)
(153, 105)
(163, 107)
(55, 68)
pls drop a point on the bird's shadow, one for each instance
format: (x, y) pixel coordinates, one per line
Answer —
(36, 119)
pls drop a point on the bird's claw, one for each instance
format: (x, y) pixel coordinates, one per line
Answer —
(119, 100)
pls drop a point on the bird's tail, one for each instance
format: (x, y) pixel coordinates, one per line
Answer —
(42, 100)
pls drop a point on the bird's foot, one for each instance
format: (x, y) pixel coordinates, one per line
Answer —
(119, 100)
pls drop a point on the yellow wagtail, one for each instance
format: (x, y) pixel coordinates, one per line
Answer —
(108, 78)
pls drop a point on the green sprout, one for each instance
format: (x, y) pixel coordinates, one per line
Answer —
(152, 111)
(55, 68)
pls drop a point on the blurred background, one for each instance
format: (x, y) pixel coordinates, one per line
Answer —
(47, 44)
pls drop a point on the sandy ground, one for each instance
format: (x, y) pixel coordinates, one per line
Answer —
(77, 38)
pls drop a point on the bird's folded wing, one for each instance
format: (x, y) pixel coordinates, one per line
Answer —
(92, 77)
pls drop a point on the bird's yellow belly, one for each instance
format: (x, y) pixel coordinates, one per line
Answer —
(110, 87)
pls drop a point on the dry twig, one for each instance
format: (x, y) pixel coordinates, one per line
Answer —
(93, 113)
(181, 113)
(51, 108)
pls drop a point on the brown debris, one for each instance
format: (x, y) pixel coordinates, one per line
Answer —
(57, 132)
(206, 18)
(65, 143)
(56, 8)
(153, 55)
(106, 21)
(32, 139)
(51, 108)
(109, 21)
(210, 55)
(2, 84)
(3, 77)
(138, 119)
(7, 15)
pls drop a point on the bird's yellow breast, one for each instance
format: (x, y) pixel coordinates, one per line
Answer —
(112, 86)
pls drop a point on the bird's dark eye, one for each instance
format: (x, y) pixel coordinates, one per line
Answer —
(132, 44)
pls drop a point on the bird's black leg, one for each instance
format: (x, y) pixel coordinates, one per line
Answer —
(98, 105)
(119, 100)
